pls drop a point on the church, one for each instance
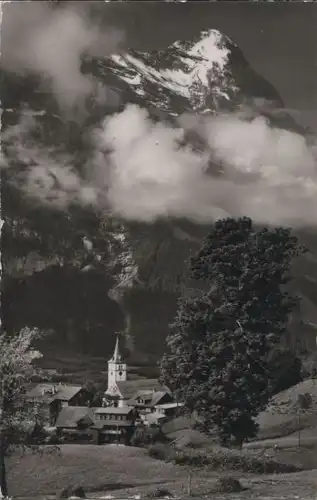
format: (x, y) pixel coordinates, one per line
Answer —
(145, 395)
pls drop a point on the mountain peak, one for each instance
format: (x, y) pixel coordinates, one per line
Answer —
(190, 71)
(210, 46)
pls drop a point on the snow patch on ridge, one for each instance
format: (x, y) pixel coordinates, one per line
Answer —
(205, 55)
(193, 70)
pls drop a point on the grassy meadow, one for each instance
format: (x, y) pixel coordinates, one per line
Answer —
(125, 471)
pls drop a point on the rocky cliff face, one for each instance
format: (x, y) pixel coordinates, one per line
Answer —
(200, 76)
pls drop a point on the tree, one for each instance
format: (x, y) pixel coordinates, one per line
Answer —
(217, 350)
(94, 392)
(17, 418)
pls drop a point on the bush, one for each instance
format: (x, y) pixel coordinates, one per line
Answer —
(159, 493)
(231, 460)
(191, 459)
(222, 460)
(160, 452)
(71, 491)
(52, 439)
(64, 493)
(78, 491)
(304, 401)
(147, 436)
(228, 485)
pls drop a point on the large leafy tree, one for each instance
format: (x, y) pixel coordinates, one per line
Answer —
(217, 350)
(17, 418)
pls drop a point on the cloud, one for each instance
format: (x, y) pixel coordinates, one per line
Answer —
(50, 42)
(267, 173)
(144, 170)
(44, 174)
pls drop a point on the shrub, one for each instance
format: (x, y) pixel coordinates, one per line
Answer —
(64, 493)
(228, 485)
(220, 460)
(160, 452)
(78, 491)
(71, 491)
(52, 439)
(304, 401)
(190, 459)
(159, 493)
(147, 436)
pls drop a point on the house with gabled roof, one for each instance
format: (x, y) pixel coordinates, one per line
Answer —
(115, 424)
(51, 398)
(75, 423)
(97, 425)
(145, 401)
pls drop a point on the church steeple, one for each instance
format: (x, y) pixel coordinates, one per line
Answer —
(117, 370)
(116, 357)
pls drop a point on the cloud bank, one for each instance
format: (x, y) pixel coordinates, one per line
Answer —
(143, 170)
(267, 173)
(37, 39)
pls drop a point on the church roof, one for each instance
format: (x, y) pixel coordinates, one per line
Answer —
(116, 357)
(130, 388)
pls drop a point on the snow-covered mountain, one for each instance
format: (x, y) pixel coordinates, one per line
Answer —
(203, 75)
(198, 73)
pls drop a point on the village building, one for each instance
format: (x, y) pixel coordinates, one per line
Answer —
(50, 398)
(141, 394)
(97, 425)
(115, 424)
(74, 423)
(126, 404)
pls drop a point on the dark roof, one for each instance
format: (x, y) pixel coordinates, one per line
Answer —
(69, 416)
(155, 398)
(130, 388)
(52, 392)
(158, 396)
(124, 410)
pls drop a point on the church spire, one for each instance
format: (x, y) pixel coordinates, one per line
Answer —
(116, 358)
